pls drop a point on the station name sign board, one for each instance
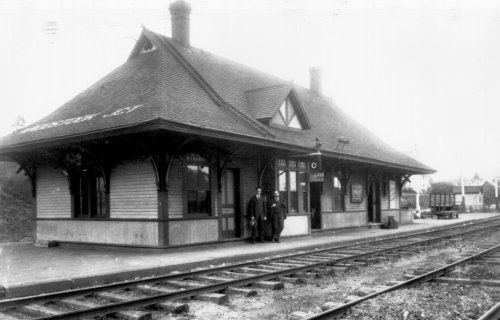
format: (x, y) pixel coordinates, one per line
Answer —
(87, 117)
(317, 177)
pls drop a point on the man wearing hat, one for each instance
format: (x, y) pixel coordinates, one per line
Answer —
(257, 214)
(278, 215)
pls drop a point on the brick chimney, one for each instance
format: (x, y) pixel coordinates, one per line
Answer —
(179, 12)
(315, 80)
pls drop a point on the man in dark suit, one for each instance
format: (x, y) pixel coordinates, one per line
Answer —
(257, 212)
(278, 212)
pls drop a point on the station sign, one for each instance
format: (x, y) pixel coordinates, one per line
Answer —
(317, 177)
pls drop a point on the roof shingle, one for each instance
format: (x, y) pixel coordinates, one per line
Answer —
(195, 88)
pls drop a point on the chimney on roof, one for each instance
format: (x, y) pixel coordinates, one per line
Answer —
(315, 80)
(179, 12)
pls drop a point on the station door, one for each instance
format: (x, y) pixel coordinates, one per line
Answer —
(231, 214)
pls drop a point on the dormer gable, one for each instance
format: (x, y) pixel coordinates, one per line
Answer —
(143, 45)
(286, 116)
(278, 106)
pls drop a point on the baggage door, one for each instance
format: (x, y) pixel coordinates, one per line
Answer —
(230, 216)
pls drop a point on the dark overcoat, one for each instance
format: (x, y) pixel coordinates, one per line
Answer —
(257, 208)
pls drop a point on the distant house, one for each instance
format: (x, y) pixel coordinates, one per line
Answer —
(474, 199)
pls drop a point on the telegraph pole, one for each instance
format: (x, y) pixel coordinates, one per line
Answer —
(462, 206)
(495, 183)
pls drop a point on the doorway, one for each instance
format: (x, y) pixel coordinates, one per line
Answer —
(373, 202)
(230, 213)
(316, 189)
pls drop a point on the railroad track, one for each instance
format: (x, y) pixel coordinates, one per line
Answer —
(128, 299)
(489, 255)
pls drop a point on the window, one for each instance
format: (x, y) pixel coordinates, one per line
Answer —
(89, 197)
(282, 188)
(286, 116)
(303, 190)
(197, 185)
(392, 194)
(228, 184)
(338, 195)
(148, 46)
(294, 206)
(292, 184)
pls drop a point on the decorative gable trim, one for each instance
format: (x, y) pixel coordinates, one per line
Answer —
(265, 104)
(291, 114)
(287, 116)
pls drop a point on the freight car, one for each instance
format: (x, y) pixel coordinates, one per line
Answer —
(443, 206)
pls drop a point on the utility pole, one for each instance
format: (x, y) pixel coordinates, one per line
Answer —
(462, 206)
(495, 183)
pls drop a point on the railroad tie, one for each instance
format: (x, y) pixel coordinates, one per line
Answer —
(363, 292)
(238, 275)
(286, 265)
(128, 314)
(5, 316)
(313, 259)
(241, 291)
(270, 267)
(308, 274)
(328, 271)
(469, 282)
(183, 284)
(40, 310)
(330, 305)
(370, 260)
(217, 298)
(392, 283)
(170, 306)
(253, 270)
(489, 260)
(347, 266)
(298, 262)
(292, 280)
(153, 289)
(173, 307)
(351, 298)
(211, 279)
(271, 285)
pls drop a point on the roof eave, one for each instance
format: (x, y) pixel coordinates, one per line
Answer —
(163, 124)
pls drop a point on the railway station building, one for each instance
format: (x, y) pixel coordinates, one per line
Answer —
(168, 148)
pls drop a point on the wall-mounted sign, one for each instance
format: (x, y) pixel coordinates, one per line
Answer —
(356, 193)
(317, 177)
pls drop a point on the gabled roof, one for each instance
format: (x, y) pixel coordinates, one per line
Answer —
(192, 88)
(468, 189)
(265, 102)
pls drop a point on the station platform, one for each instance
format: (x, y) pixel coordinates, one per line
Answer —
(26, 269)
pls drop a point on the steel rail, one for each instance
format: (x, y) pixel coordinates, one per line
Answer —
(429, 276)
(7, 303)
(492, 314)
(209, 288)
(145, 301)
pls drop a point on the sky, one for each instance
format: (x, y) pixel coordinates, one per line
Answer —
(422, 75)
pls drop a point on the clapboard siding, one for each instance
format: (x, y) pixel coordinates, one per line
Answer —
(141, 233)
(327, 196)
(133, 192)
(53, 198)
(175, 190)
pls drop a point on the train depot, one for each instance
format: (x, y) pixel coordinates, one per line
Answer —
(167, 150)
